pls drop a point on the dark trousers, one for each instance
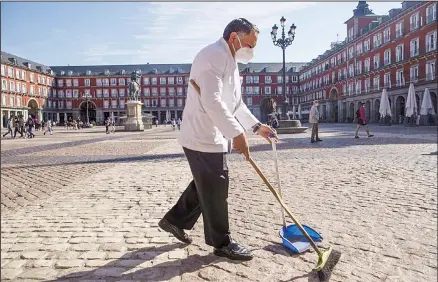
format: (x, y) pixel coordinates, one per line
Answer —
(206, 194)
(314, 131)
(9, 131)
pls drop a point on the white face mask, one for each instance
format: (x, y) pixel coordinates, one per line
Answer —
(244, 54)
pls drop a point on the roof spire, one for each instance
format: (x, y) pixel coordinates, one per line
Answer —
(362, 9)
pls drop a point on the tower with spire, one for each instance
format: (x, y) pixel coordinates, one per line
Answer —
(362, 17)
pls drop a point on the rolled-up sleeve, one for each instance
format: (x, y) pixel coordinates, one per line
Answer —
(211, 85)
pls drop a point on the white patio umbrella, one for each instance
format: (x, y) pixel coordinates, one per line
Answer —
(294, 112)
(411, 103)
(385, 108)
(299, 111)
(426, 104)
(167, 115)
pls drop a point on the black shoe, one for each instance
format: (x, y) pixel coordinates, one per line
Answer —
(371, 135)
(312, 141)
(175, 231)
(234, 251)
(319, 140)
(356, 137)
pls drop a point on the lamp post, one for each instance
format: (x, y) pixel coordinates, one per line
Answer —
(87, 98)
(283, 42)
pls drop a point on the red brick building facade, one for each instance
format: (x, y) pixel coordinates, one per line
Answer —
(379, 52)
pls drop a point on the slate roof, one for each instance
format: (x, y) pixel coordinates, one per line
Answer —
(166, 69)
(8, 58)
(143, 68)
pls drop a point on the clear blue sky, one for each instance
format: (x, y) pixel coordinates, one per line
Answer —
(82, 33)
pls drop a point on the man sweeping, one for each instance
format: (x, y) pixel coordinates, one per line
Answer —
(211, 120)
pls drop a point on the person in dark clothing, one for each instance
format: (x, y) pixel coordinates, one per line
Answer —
(9, 126)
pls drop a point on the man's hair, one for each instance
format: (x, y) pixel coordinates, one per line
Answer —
(239, 25)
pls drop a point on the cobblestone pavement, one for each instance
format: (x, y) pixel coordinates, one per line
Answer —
(374, 199)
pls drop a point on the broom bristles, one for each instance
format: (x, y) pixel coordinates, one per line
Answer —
(324, 274)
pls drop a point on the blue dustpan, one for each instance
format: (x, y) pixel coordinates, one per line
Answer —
(294, 239)
(291, 235)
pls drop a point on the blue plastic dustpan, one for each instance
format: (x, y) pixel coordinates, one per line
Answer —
(294, 239)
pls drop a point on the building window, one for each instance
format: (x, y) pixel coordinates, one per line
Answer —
(67, 81)
(387, 35)
(179, 91)
(163, 103)
(248, 90)
(367, 64)
(106, 93)
(11, 72)
(121, 81)
(3, 70)
(387, 80)
(113, 81)
(68, 105)
(12, 86)
(11, 101)
(350, 88)
(113, 103)
(32, 90)
(171, 91)
(99, 93)
(268, 90)
(414, 74)
(279, 79)
(163, 91)
(146, 80)
(414, 21)
(105, 82)
(179, 80)
(45, 91)
(249, 101)
(376, 83)
(106, 104)
(113, 92)
(358, 86)
(387, 57)
(431, 13)
(367, 85)
(376, 61)
(279, 90)
(350, 34)
(24, 88)
(359, 67)
(154, 81)
(75, 82)
(4, 84)
(366, 45)
(350, 53)
(249, 79)
(430, 70)
(162, 81)
(122, 92)
(377, 40)
(171, 80)
(399, 29)
(400, 78)
(414, 47)
(359, 48)
(17, 73)
(154, 91)
(122, 103)
(268, 79)
(256, 90)
(431, 41)
(399, 50)
(179, 102)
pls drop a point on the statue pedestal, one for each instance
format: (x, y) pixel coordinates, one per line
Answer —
(134, 121)
(290, 127)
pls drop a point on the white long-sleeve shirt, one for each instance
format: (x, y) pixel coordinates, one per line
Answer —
(218, 114)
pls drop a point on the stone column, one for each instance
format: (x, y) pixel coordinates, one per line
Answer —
(159, 116)
(65, 117)
(2, 118)
(176, 115)
(57, 117)
(40, 115)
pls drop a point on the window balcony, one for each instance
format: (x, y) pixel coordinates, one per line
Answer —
(430, 18)
(430, 76)
(400, 82)
(414, 26)
(414, 79)
(387, 85)
(387, 62)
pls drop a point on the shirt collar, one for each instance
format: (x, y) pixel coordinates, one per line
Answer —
(224, 44)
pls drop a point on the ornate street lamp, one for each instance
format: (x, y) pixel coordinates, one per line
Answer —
(283, 42)
(87, 98)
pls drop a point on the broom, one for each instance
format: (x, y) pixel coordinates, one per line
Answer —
(327, 259)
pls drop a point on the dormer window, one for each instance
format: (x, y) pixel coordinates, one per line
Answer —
(88, 72)
(70, 72)
(138, 71)
(154, 71)
(123, 72)
(106, 72)
(180, 70)
(62, 72)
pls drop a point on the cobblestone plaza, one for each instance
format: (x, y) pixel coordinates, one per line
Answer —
(84, 206)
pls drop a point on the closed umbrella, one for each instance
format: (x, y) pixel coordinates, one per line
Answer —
(299, 111)
(411, 103)
(426, 104)
(385, 107)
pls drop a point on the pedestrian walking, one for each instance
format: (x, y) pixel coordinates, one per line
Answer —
(156, 123)
(361, 121)
(107, 125)
(314, 120)
(9, 124)
(206, 137)
(178, 123)
(49, 127)
(173, 122)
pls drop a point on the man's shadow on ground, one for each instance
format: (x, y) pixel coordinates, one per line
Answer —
(163, 271)
(150, 272)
